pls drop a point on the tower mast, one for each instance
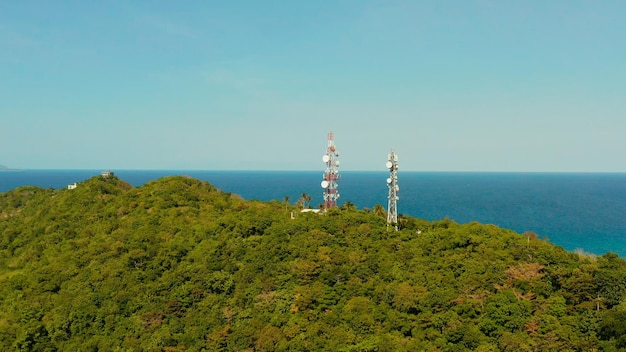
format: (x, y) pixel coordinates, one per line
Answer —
(392, 184)
(331, 175)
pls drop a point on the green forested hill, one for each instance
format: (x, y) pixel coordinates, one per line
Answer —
(176, 265)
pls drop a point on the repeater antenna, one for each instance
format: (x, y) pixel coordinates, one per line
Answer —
(392, 184)
(331, 175)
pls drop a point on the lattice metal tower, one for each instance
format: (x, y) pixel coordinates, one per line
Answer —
(392, 183)
(331, 175)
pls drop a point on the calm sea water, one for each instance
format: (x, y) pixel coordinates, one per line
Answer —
(575, 211)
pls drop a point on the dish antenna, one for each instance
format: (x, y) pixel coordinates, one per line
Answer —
(331, 174)
(392, 184)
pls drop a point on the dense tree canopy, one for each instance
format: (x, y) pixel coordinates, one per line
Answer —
(176, 265)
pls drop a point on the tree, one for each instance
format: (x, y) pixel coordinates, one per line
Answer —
(306, 199)
(348, 206)
(613, 327)
(196, 268)
(379, 210)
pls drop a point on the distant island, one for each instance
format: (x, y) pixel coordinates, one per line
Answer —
(6, 168)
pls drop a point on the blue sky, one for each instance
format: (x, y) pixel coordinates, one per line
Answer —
(253, 85)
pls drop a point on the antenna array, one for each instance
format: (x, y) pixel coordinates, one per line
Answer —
(392, 183)
(331, 175)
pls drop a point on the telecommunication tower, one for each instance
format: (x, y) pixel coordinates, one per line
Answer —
(331, 175)
(392, 183)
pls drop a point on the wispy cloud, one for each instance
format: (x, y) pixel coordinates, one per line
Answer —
(12, 38)
(243, 81)
(167, 26)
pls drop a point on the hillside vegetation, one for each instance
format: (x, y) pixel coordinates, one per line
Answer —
(177, 265)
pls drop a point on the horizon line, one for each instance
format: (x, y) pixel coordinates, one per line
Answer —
(316, 170)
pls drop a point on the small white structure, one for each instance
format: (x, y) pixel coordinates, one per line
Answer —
(308, 210)
(72, 185)
(107, 173)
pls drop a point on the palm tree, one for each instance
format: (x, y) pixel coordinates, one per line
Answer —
(286, 200)
(306, 199)
(379, 210)
(348, 206)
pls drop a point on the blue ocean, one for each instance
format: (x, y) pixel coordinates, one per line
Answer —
(584, 211)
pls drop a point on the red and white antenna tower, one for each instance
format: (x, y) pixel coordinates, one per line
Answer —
(392, 184)
(331, 175)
